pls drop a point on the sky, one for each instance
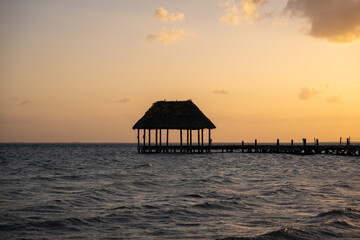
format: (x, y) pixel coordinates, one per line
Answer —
(87, 70)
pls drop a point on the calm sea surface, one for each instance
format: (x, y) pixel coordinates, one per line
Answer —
(108, 191)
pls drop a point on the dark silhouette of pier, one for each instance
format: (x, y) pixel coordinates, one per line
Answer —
(185, 116)
(299, 149)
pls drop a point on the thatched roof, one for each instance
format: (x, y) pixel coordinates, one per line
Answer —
(174, 115)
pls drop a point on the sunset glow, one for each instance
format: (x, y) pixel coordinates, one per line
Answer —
(86, 71)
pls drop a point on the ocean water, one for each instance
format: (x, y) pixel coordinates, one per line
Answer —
(109, 191)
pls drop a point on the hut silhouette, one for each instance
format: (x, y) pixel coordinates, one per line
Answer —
(172, 115)
(185, 115)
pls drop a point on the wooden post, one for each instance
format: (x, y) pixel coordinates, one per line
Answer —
(187, 137)
(209, 137)
(202, 140)
(340, 140)
(167, 137)
(160, 136)
(138, 140)
(190, 140)
(304, 141)
(149, 136)
(198, 137)
(242, 144)
(317, 142)
(277, 142)
(292, 142)
(156, 137)
(255, 142)
(190, 137)
(138, 137)
(202, 137)
(144, 136)
(180, 137)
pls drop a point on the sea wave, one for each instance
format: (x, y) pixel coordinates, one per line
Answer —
(346, 212)
(325, 227)
(285, 233)
(108, 191)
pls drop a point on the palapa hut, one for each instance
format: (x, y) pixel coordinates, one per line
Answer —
(173, 115)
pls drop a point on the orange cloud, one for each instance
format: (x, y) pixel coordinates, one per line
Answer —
(231, 14)
(334, 20)
(21, 101)
(164, 15)
(24, 102)
(121, 100)
(230, 19)
(333, 99)
(169, 36)
(247, 10)
(220, 91)
(308, 93)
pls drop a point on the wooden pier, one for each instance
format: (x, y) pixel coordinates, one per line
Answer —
(185, 116)
(344, 150)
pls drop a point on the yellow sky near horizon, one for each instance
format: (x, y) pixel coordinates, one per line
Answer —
(86, 71)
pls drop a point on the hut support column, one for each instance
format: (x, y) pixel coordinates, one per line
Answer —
(187, 140)
(190, 137)
(144, 137)
(199, 139)
(209, 138)
(156, 136)
(167, 139)
(138, 137)
(181, 150)
(156, 139)
(160, 137)
(190, 140)
(149, 136)
(187, 137)
(202, 139)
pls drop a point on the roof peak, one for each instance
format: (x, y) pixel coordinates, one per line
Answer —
(175, 101)
(174, 115)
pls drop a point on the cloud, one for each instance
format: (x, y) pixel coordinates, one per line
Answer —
(308, 93)
(236, 13)
(231, 15)
(169, 36)
(249, 8)
(21, 101)
(334, 20)
(24, 102)
(164, 15)
(220, 91)
(333, 99)
(121, 100)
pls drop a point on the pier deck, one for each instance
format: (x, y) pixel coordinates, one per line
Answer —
(345, 150)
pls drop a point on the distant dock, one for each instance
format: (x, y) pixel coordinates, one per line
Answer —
(332, 149)
(185, 117)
